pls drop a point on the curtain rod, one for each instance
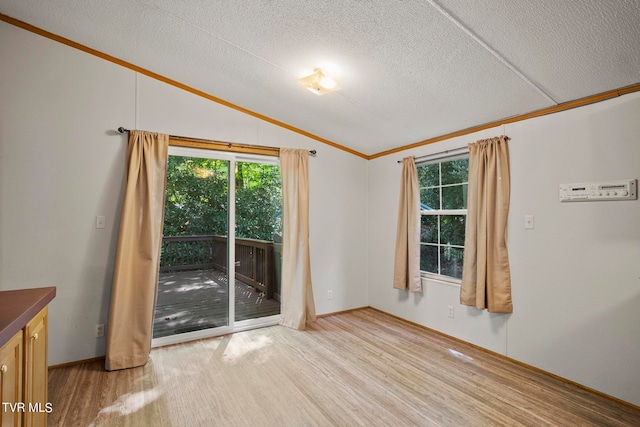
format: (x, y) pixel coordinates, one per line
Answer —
(230, 144)
(427, 156)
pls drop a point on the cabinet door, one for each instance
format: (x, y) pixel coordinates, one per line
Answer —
(11, 382)
(35, 365)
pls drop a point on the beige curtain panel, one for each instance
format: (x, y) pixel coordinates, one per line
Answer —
(406, 270)
(296, 291)
(486, 278)
(135, 277)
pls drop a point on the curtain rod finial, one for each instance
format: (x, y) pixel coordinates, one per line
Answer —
(122, 130)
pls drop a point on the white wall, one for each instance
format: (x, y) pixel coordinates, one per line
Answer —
(62, 163)
(575, 277)
(60, 167)
(577, 273)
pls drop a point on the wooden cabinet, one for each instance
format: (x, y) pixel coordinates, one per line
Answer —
(35, 370)
(23, 357)
(11, 381)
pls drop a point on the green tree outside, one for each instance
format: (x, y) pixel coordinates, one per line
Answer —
(197, 198)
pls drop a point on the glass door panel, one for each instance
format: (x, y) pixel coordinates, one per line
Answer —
(193, 283)
(258, 240)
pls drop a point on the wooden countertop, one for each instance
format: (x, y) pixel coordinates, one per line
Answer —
(19, 306)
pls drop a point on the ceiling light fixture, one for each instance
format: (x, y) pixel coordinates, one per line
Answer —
(319, 82)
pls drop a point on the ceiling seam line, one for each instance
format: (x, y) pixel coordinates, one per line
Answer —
(489, 49)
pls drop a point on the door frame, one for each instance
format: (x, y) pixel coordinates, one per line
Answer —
(232, 325)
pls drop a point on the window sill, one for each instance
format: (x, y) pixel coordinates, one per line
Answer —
(445, 280)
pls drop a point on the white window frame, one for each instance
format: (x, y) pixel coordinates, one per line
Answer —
(441, 212)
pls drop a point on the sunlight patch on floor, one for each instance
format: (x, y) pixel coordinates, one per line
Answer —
(461, 356)
(202, 285)
(242, 345)
(130, 403)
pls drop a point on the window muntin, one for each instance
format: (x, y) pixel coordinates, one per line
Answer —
(443, 208)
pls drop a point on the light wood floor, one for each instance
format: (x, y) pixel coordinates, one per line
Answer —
(362, 368)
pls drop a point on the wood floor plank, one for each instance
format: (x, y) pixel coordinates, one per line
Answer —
(361, 368)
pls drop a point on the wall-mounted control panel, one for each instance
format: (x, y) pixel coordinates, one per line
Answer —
(622, 189)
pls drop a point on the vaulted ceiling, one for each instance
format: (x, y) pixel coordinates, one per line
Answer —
(409, 70)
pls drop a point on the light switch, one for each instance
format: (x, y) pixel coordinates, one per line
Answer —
(528, 221)
(101, 222)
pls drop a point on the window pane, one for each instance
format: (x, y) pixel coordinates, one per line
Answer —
(443, 187)
(258, 201)
(451, 261)
(429, 258)
(455, 171)
(196, 197)
(430, 199)
(429, 229)
(452, 229)
(428, 175)
(454, 197)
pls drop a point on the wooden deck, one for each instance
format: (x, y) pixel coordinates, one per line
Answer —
(194, 300)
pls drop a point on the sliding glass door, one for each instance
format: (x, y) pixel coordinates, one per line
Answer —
(258, 213)
(219, 267)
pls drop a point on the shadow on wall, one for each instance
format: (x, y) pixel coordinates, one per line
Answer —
(497, 321)
(416, 297)
(96, 269)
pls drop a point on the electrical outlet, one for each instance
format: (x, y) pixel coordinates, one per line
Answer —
(101, 221)
(450, 308)
(329, 294)
(528, 222)
(99, 330)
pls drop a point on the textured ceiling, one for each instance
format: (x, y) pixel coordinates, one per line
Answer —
(409, 70)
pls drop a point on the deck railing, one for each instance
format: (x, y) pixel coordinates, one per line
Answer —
(254, 259)
(181, 253)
